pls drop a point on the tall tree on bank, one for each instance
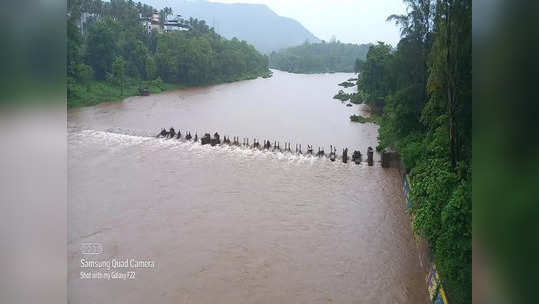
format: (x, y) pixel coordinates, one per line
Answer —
(451, 74)
(375, 74)
(118, 73)
(427, 116)
(101, 46)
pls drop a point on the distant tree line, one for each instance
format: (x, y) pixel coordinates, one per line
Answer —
(424, 87)
(318, 57)
(116, 50)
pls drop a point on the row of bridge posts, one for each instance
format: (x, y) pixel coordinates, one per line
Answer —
(207, 139)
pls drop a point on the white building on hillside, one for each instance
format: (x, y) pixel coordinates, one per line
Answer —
(176, 24)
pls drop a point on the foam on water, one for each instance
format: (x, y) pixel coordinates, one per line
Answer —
(151, 143)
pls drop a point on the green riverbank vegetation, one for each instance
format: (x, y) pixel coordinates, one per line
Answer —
(323, 57)
(342, 96)
(425, 89)
(362, 119)
(355, 98)
(346, 84)
(112, 55)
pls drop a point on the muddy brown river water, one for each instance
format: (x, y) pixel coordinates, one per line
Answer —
(230, 224)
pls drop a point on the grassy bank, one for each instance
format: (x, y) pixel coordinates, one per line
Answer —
(97, 92)
(358, 118)
(101, 91)
(374, 115)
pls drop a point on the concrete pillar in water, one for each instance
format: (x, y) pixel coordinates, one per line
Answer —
(370, 154)
(390, 158)
(385, 159)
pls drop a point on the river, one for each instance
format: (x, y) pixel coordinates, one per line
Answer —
(230, 224)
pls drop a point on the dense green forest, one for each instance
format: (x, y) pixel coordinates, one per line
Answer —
(114, 55)
(424, 87)
(318, 57)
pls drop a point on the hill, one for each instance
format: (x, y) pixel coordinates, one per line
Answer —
(255, 23)
(319, 57)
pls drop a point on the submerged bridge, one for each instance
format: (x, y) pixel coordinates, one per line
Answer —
(356, 157)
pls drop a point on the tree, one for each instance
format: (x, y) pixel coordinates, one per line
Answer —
(74, 42)
(374, 78)
(134, 51)
(358, 65)
(102, 46)
(117, 76)
(150, 67)
(427, 117)
(83, 73)
(163, 15)
(450, 78)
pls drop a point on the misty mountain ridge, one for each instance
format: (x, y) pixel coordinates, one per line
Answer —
(255, 23)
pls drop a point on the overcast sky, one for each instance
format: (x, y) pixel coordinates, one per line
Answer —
(354, 21)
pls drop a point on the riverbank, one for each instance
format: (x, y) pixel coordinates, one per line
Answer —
(97, 92)
(367, 114)
(355, 98)
(364, 119)
(100, 91)
(432, 278)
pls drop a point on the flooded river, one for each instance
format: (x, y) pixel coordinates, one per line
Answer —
(229, 224)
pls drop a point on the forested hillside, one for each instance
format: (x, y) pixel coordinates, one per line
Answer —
(115, 55)
(425, 90)
(319, 57)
